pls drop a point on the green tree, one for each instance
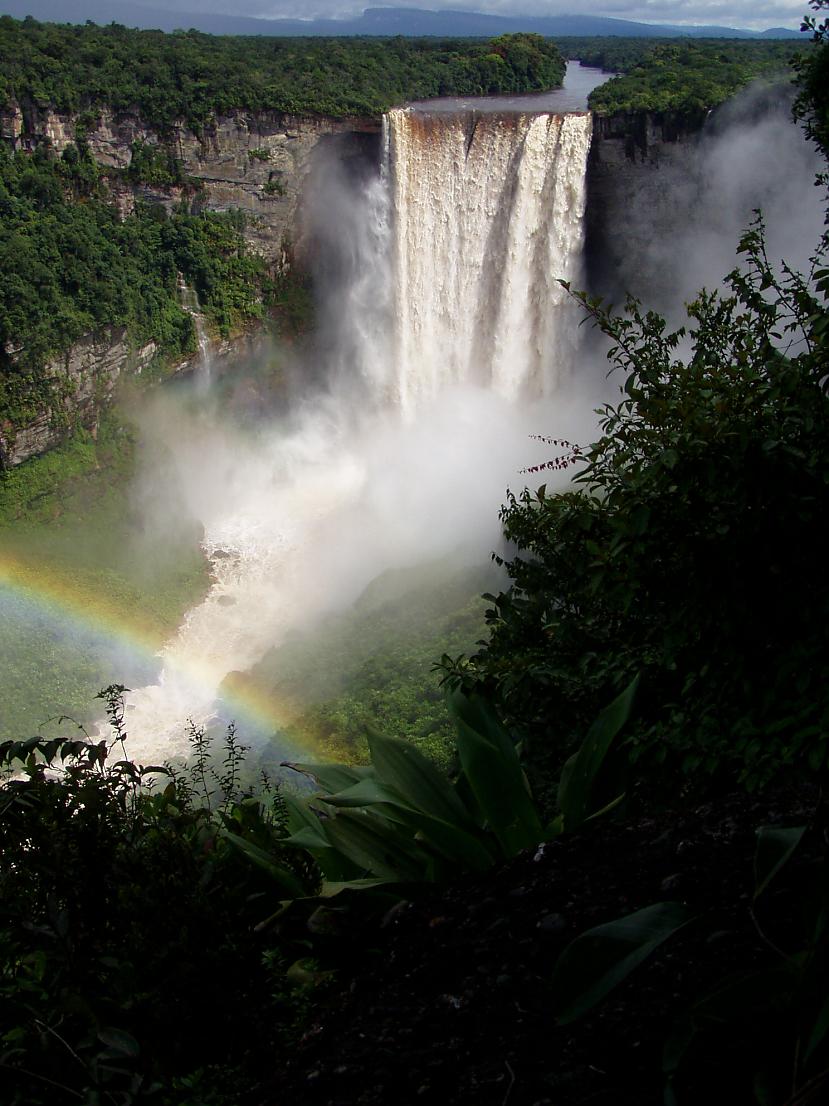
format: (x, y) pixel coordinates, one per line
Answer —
(689, 549)
(813, 71)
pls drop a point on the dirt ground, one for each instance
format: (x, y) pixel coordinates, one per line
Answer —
(448, 999)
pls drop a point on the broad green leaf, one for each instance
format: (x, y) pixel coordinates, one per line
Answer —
(332, 777)
(400, 765)
(300, 815)
(308, 838)
(491, 766)
(287, 880)
(336, 887)
(770, 990)
(330, 861)
(600, 959)
(453, 842)
(374, 846)
(775, 844)
(580, 772)
(308, 833)
(369, 792)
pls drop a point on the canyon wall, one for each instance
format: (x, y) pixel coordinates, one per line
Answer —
(86, 376)
(253, 162)
(259, 163)
(631, 158)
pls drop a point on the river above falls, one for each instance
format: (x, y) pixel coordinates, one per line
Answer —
(579, 82)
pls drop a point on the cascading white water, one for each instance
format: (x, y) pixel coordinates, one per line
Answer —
(448, 267)
(190, 302)
(488, 214)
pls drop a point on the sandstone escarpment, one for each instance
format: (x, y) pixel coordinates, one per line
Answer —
(254, 162)
(631, 157)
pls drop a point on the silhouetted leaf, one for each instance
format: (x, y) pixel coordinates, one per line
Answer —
(598, 960)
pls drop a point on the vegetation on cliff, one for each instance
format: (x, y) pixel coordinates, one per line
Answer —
(678, 76)
(69, 264)
(192, 77)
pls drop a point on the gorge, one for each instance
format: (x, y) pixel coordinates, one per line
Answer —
(407, 227)
(469, 216)
(464, 731)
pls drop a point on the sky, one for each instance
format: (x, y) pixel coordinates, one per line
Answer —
(749, 14)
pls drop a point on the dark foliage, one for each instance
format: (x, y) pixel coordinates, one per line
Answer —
(129, 967)
(813, 76)
(452, 1001)
(691, 553)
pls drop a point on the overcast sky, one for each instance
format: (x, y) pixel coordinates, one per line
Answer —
(754, 14)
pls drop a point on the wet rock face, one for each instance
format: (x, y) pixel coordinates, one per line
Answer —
(630, 158)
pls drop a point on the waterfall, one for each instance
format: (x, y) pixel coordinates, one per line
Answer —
(190, 302)
(437, 281)
(487, 215)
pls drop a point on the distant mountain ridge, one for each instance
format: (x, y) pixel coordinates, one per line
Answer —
(379, 21)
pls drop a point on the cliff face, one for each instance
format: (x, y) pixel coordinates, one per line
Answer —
(85, 377)
(628, 204)
(254, 162)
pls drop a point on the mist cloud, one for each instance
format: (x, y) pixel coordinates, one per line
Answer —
(682, 235)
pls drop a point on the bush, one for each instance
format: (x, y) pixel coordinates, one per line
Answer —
(691, 550)
(129, 965)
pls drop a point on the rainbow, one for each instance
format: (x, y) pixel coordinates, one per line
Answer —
(59, 597)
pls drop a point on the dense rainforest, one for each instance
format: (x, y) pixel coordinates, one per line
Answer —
(648, 923)
(192, 76)
(69, 265)
(676, 75)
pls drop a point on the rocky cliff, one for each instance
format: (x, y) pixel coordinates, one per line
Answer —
(253, 162)
(628, 204)
(669, 195)
(85, 377)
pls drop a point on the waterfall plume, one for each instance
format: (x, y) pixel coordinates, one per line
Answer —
(487, 215)
(441, 323)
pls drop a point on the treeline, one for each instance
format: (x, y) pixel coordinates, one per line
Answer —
(69, 264)
(678, 75)
(192, 76)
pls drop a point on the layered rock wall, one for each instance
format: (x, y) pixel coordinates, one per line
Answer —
(256, 162)
(628, 204)
(85, 377)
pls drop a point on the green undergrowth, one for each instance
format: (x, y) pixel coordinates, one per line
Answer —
(372, 664)
(86, 593)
